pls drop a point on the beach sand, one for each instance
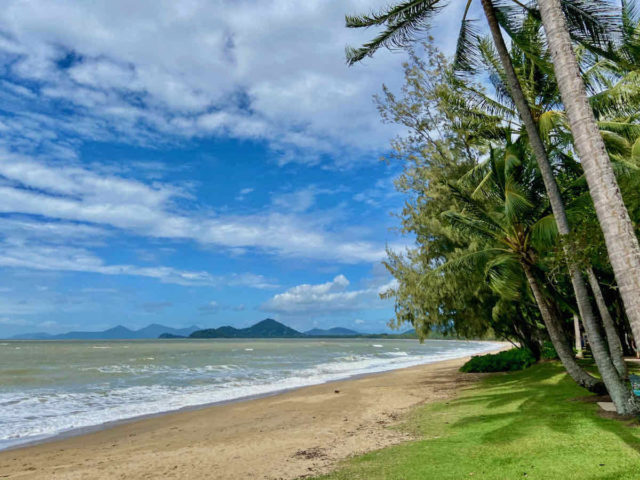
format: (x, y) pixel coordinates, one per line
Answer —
(290, 435)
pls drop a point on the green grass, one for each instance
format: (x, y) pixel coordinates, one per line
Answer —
(508, 426)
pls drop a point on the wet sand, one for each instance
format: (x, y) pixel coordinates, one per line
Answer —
(298, 433)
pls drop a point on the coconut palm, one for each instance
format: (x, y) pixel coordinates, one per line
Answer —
(622, 243)
(540, 91)
(402, 22)
(508, 217)
(618, 390)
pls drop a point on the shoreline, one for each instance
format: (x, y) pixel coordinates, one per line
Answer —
(83, 430)
(301, 432)
(82, 453)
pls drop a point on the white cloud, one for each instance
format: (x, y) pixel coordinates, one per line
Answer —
(71, 259)
(75, 194)
(332, 296)
(271, 71)
(23, 229)
(48, 257)
(299, 200)
(242, 194)
(157, 72)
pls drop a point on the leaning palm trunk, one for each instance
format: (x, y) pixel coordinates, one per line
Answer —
(558, 337)
(613, 340)
(578, 335)
(600, 352)
(622, 244)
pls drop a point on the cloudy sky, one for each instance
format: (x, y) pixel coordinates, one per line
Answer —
(202, 162)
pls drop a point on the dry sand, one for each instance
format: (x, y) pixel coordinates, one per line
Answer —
(291, 435)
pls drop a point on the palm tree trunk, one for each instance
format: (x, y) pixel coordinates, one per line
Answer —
(613, 339)
(578, 335)
(600, 353)
(559, 339)
(620, 394)
(622, 243)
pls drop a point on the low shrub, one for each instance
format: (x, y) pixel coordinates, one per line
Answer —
(548, 352)
(507, 361)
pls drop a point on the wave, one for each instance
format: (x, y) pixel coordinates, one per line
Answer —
(46, 412)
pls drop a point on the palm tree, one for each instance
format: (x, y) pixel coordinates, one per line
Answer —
(610, 101)
(402, 21)
(602, 353)
(507, 216)
(613, 340)
(620, 238)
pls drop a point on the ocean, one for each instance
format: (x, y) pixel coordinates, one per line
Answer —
(51, 387)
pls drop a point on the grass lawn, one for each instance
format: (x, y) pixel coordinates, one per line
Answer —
(509, 426)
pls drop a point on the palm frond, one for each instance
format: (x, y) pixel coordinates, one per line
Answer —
(630, 131)
(594, 24)
(511, 160)
(620, 100)
(550, 121)
(635, 152)
(525, 34)
(504, 276)
(616, 144)
(470, 260)
(488, 104)
(515, 200)
(630, 12)
(470, 226)
(473, 175)
(481, 185)
(544, 232)
(591, 20)
(466, 58)
(403, 22)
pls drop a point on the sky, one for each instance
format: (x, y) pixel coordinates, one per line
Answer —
(204, 162)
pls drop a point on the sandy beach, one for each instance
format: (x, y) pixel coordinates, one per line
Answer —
(291, 435)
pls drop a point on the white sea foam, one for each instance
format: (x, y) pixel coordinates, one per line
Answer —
(143, 389)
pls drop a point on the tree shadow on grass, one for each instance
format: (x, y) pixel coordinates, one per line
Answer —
(538, 398)
(611, 476)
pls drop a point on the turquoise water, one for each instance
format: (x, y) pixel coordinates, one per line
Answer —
(47, 388)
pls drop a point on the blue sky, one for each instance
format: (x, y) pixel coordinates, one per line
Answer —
(196, 162)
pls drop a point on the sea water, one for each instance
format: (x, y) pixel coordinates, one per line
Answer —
(51, 387)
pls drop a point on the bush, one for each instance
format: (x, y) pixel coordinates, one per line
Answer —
(548, 352)
(507, 361)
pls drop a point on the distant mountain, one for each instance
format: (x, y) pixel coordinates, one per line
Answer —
(331, 332)
(33, 336)
(154, 330)
(116, 333)
(267, 328)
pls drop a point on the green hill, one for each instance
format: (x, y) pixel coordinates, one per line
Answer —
(267, 328)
